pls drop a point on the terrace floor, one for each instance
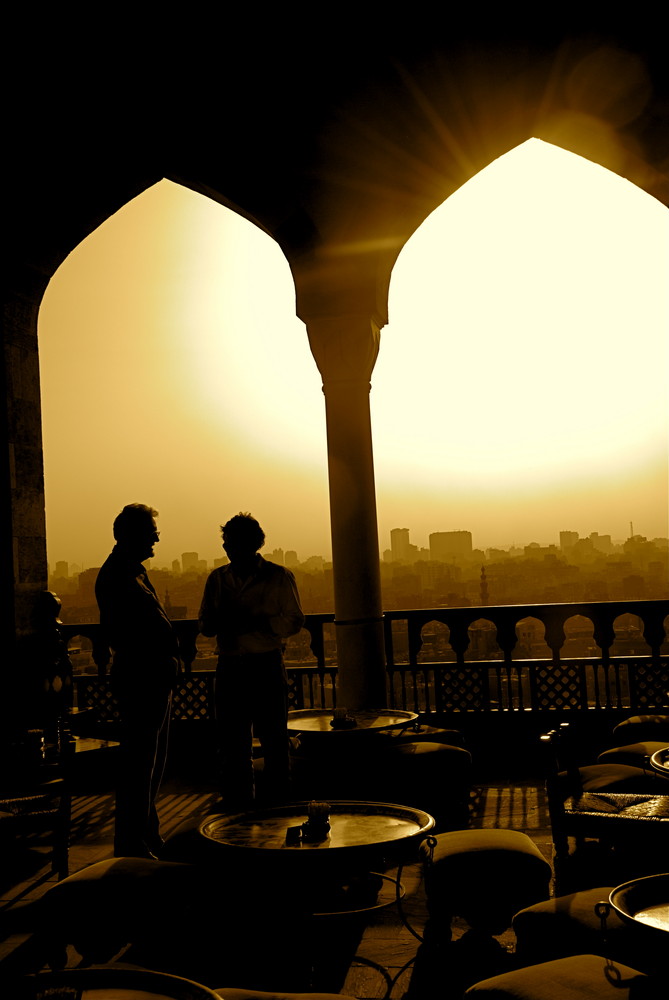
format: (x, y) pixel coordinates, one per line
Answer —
(368, 957)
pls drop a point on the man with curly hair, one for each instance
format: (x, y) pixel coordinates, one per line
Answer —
(252, 606)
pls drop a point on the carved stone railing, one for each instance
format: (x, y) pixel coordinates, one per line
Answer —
(455, 683)
(638, 682)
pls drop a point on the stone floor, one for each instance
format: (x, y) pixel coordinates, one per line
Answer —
(365, 957)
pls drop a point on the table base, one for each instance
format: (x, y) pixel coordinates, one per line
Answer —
(383, 889)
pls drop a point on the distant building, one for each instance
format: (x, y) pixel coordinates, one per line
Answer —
(62, 569)
(86, 585)
(176, 566)
(568, 539)
(313, 564)
(277, 556)
(602, 543)
(401, 549)
(291, 559)
(189, 561)
(448, 546)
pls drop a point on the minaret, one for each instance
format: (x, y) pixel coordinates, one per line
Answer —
(484, 587)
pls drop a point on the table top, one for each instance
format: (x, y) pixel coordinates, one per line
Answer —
(659, 761)
(84, 744)
(318, 720)
(644, 901)
(107, 982)
(78, 745)
(352, 825)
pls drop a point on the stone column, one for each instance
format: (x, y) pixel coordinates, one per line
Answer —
(345, 349)
(22, 516)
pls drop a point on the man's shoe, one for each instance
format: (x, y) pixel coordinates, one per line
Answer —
(139, 851)
(155, 845)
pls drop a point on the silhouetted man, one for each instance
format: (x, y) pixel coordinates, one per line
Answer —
(251, 605)
(144, 668)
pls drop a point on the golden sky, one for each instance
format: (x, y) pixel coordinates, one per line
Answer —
(521, 387)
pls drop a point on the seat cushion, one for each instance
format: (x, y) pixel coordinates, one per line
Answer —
(568, 925)
(642, 727)
(430, 753)
(108, 905)
(565, 925)
(240, 994)
(633, 754)
(484, 876)
(611, 777)
(487, 846)
(582, 977)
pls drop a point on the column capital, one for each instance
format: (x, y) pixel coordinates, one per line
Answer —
(345, 347)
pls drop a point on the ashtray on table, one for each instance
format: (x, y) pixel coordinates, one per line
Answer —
(342, 720)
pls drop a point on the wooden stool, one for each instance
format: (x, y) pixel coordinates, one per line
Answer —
(485, 876)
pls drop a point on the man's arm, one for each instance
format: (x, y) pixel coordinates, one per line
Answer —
(208, 614)
(290, 619)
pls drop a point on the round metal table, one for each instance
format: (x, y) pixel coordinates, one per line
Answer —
(104, 982)
(356, 829)
(363, 837)
(643, 904)
(315, 722)
(659, 762)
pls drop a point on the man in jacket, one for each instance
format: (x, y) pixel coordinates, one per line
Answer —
(144, 668)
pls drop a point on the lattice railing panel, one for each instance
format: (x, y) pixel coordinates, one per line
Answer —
(557, 687)
(461, 688)
(95, 693)
(651, 685)
(193, 698)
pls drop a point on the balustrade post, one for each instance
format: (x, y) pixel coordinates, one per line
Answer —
(415, 639)
(507, 641)
(554, 636)
(604, 635)
(654, 632)
(459, 640)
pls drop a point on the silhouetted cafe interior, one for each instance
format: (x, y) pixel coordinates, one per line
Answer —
(480, 827)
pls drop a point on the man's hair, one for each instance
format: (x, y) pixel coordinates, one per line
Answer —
(245, 529)
(132, 520)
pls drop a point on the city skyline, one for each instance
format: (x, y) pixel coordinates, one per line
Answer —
(502, 398)
(189, 558)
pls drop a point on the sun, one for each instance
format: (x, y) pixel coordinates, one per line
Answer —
(526, 354)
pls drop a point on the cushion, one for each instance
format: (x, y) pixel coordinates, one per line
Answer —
(102, 908)
(582, 977)
(484, 876)
(642, 727)
(634, 754)
(569, 925)
(612, 778)
(241, 994)
(424, 748)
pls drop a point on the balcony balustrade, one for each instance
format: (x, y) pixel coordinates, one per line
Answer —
(455, 661)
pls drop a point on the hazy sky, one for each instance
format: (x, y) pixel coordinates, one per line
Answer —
(521, 388)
